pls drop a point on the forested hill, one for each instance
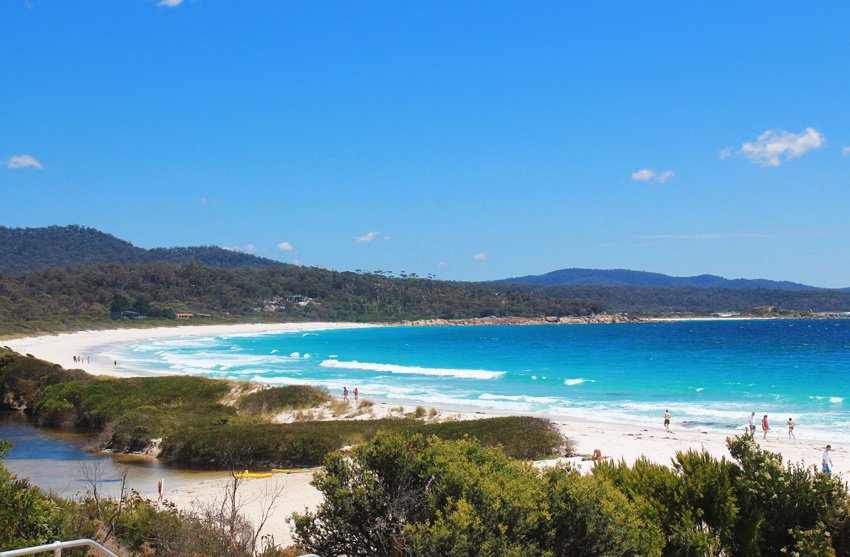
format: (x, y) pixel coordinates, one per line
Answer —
(688, 299)
(31, 249)
(624, 277)
(79, 296)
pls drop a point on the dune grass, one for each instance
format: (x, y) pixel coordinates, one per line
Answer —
(195, 425)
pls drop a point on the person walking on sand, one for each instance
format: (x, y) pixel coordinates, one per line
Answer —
(791, 425)
(765, 427)
(345, 393)
(159, 487)
(752, 423)
(356, 393)
(667, 420)
(826, 461)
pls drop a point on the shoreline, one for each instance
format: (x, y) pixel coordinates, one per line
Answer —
(62, 347)
(626, 441)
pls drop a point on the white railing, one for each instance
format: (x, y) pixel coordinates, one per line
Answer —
(57, 547)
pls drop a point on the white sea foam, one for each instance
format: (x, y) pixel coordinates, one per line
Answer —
(307, 356)
(836, 399)
(577, 381)
(521, 398)
(295, 355)
(414, 370)
(274, 351)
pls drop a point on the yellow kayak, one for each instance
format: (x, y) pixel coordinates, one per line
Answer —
(247, 474)
(290, 470)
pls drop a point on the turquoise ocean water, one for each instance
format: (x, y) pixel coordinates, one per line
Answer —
(710, 374)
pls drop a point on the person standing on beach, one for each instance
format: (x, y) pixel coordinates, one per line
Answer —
(667, 420)
(765, 427)
(752, 422)
(356, 393)
(826, 461)
(345, 393)
(791, 425)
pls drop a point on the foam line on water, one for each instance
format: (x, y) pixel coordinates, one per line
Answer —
(572, 382)
(413, 370)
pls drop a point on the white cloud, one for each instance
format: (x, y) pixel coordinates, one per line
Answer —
(772, 148)
(442, 264)
(285, 246)
(250, 248)
(23, 161)
(169, 3)
(371, 236)
(643, 175)
(725, 153)
(647, 174)
(208, 201)
(845, 151)
(481, 256)
(666, 175)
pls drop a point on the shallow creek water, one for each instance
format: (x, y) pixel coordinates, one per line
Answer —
(57, 461)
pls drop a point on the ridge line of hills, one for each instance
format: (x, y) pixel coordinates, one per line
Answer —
(66, 278)
(627, 277)
(32, 249)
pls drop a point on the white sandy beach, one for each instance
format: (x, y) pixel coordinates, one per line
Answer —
(97, 348)
(618, 441)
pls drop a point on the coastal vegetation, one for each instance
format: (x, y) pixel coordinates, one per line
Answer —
(402, 495)
(656, 300)
(88, 296)
(220, 424)
(69, 278)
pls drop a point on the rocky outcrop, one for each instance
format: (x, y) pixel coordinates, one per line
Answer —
(544, 320)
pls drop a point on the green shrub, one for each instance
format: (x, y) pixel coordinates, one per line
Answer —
(417, 495)
(307, 443)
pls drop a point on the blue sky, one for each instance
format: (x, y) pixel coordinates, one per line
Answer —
(471, 140)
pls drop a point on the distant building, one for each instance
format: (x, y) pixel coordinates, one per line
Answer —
(297, 299)
(184, 315)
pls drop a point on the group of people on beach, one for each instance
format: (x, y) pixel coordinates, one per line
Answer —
(826, 460)
(765, 426)
(81, 359)
(345, 393)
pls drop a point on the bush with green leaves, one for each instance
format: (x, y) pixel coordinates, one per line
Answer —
(797, 510)
(415, 495)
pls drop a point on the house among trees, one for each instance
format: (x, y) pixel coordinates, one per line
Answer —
(184, 315)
